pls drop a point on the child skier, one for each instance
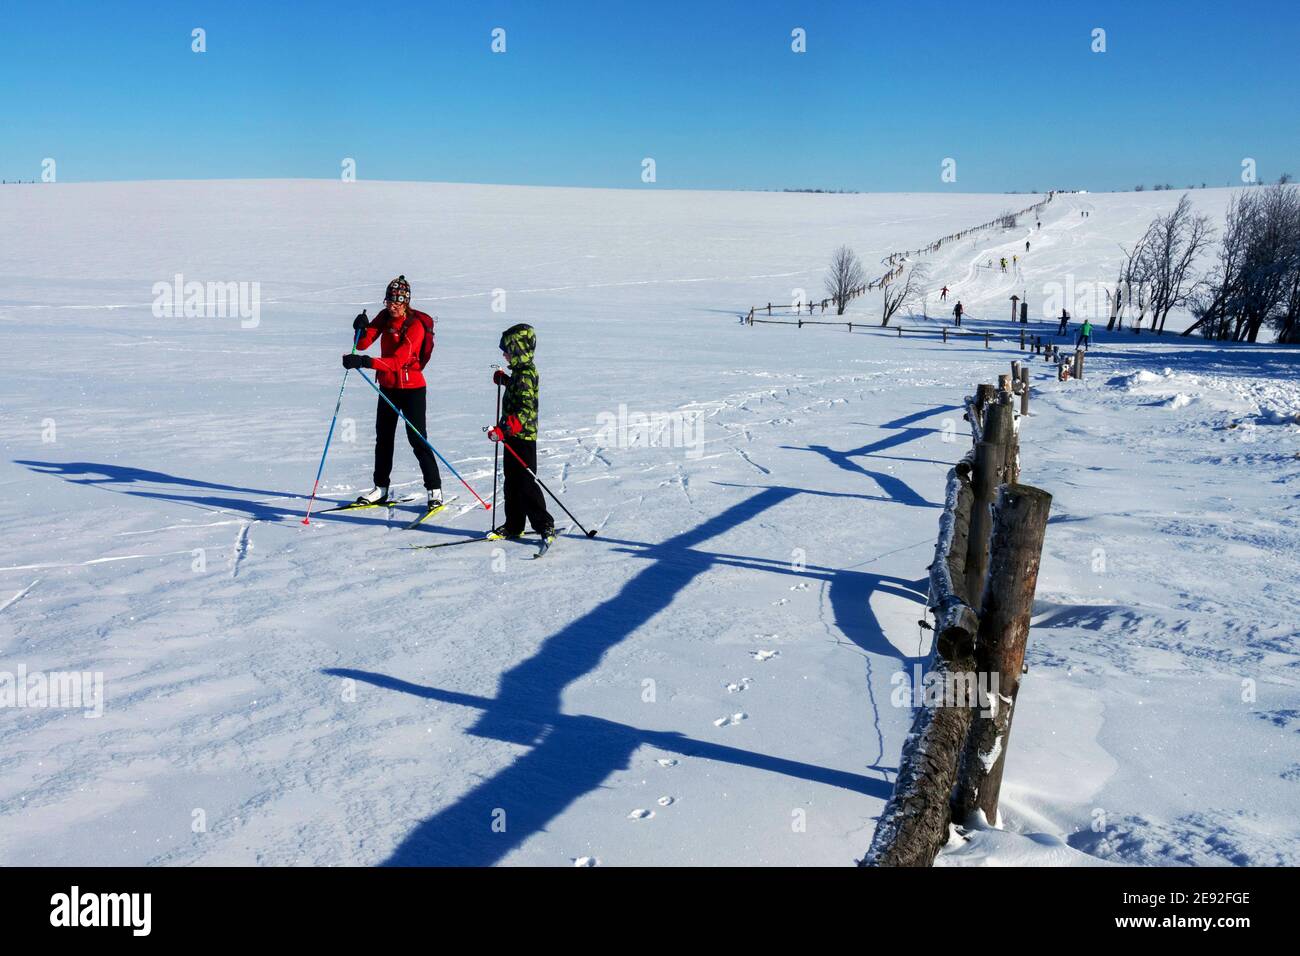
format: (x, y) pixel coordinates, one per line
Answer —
(1085, 334)
(517, 429)
(405, 342)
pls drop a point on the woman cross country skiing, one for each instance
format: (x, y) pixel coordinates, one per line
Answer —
(518, 429)
(405, 343)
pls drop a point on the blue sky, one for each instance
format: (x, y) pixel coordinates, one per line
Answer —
(711, 90)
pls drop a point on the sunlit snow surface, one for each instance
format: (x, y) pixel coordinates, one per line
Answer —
(708, 681)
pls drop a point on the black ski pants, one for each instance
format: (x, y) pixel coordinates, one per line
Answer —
(412, 403)
(523, 495)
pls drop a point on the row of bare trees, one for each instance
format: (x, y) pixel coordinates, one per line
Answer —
(1256, 280)
(1254, 284)
(1156, 275)
(846, 275)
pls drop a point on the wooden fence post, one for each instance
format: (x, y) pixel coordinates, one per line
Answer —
(945, 335)
(986, 340)
(1078, 364)
(1004, 384)
(1015, 376)
(1016, 547)
(1022, 340)
(990, 461)
(900, 331)
(983, 397)
(1024, 390)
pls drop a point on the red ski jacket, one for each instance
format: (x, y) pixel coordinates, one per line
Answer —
(398, 364)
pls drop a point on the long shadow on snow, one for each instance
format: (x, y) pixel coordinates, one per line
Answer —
(895, 488)
(571, 755)
(120, 479)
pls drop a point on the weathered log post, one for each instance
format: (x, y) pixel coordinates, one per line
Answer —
(1019, 524)
(1078, 364)
(914, 824)
(984, 395)
(986, 340)
(1024, 390)
(945, 335)
(1022, 340)
(1015, 376)
(990, 461)
(1004, 385)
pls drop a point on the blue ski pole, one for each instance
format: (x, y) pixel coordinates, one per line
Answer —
(356, 337)
(416, 433)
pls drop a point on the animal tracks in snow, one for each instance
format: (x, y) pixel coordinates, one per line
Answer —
(732, 720)
(763, 656)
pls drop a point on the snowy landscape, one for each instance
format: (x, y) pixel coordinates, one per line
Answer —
(718, 677)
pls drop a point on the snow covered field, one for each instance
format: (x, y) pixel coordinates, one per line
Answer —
(710, 680)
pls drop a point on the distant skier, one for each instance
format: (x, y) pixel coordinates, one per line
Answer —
(943, 294)
(1065, 323)
(1085, 334)
(957, 312)
(405, 344)
(1004, 263)
(1027, 242)
(518, 429)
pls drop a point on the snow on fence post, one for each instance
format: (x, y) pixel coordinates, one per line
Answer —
(914, 825)
(1015, 376)
(1019, 524)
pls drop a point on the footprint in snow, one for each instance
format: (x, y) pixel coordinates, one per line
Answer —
(666, 762)
(762, 656)
(735, 687)
(640, 814)
(780, 602)
(585, 861)
(730, 721)
(667, 801)
(801, 586)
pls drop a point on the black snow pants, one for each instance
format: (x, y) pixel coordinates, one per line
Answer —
(523, 495)
(412, 403)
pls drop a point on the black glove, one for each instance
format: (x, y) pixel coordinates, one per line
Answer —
(361, 322)
(500, 377)
(358, 361)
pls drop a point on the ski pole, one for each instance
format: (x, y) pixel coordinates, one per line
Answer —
(496, 452)
(502, 441)
(415, 431)
(356, 337)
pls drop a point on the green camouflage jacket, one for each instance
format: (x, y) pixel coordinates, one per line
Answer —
(521, 393)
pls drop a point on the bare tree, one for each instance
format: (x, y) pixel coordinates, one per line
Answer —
(899, 294)
(844, 278)
(1257, 279)
(1172, 244)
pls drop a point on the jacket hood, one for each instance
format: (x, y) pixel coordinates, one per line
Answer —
(519, 342)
